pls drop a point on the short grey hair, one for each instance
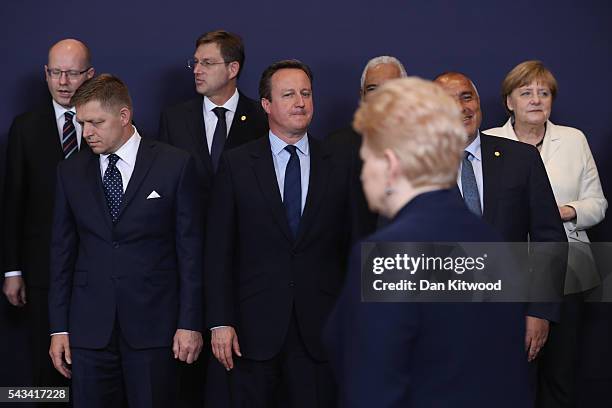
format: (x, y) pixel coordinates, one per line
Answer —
(383, 59)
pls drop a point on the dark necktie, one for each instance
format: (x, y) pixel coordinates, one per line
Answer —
(469, 186)
(218, 137)
(292, 191)
(113, 187)
(69, 140)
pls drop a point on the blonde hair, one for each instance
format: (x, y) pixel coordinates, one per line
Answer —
(420, 123)
(524, 74)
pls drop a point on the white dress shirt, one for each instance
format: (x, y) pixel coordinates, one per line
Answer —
(210, 118)
(281, 157)
(127, 158)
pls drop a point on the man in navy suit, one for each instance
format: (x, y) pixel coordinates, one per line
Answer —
(218, 119)
(126, 259)
(514, 193)
(276, 251)
(434, 355)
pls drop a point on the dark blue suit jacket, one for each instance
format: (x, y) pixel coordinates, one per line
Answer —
(146, 270)
(256, 273)
(428, 354)
(519, 202)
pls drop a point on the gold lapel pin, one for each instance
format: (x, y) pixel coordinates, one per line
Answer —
(497, 154)
(243, 118)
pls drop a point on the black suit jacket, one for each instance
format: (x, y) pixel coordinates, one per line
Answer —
(33, 152)
(346, 144)
(256, 273)
(518, 200)
(183, 126)
(145, 270)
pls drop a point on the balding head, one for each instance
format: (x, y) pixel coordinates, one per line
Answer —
(68, 66)
(462, 89)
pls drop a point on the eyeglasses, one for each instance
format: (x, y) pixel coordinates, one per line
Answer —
(71, 74)
(206, 64)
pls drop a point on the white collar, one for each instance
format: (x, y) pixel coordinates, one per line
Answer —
(231, 104)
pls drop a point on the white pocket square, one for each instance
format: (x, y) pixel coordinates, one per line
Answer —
(153, 195)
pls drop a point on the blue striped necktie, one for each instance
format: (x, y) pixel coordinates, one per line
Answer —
(69, 140)
(469, 186)
(292, 191)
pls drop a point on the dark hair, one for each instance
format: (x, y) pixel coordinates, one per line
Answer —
(107, 89)
(265, 87)
(230, 45)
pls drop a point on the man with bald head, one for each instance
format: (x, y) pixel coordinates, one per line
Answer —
(505, 183)
(347, 142)
(38, 141)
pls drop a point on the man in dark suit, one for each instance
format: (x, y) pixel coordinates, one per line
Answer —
(275, 253)
(347, 142)
(413, 354)
(126, 259)
(513, 193)
(38, 141)
(219, 119)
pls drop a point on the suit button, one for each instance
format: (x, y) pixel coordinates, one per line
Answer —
(115, 244)
(291, 284)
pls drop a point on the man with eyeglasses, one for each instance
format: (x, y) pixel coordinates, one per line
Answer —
(38, 141)
(219, 118)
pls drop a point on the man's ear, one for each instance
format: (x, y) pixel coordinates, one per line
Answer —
(234, 68)
(126, 116)
(265, 104)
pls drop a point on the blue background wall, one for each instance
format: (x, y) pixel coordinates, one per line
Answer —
(147, 44)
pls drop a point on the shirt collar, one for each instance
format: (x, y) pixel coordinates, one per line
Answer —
(278, 145)
(231, 104)
(474, 147)
(60, 110)
(129, 150)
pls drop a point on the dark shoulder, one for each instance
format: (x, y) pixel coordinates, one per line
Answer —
(504, 145)
(184, 106)
(168, 151)
(34, 116)
(344, 137)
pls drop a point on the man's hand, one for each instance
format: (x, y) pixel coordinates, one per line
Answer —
(187, 345)
(567, 213)
(536, 334)
(222, 341)
(60, 354)
(14, 290)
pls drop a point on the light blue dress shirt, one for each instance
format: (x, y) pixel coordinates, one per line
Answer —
(280, 157)
(476, 160)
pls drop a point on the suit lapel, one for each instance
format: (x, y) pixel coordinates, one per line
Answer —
(552, 142)
(317, 184)
(144, 159)
(263, 166)
(239, 131)
(492, 168)
(197, 130)
(94, 180)
(51, 143)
